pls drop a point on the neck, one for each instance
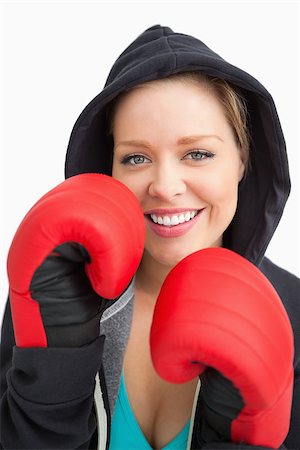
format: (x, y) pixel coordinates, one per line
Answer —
(150, 276)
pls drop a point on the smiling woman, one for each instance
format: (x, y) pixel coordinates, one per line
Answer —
(176, 182)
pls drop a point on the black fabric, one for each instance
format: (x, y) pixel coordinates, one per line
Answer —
(48, 402)
(47, 393)
(219, 403)
(70, 308)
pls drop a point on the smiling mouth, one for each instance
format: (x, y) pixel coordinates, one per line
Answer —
(174, 219)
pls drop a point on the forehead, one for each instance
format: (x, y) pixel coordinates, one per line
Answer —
(169, 108)
(170, 91)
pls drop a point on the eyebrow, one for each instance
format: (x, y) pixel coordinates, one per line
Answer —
(195, 138)
(181, 141)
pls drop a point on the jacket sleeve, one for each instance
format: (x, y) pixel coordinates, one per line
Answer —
(47, 394)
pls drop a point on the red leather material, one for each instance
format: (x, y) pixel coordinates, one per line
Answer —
(93, 210)
(217, 309)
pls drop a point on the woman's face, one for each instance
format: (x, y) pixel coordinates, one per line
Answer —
(174, 148)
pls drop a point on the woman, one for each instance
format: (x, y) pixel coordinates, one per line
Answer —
(199, 143)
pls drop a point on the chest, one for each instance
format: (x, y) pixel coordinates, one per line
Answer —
(161, 409)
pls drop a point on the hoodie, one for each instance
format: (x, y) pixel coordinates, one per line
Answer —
(69, 409)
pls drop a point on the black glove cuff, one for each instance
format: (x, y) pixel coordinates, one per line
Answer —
(73, 335)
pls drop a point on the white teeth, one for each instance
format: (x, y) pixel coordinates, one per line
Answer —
(181, 218)
(169, 221)
(174, 220)
(166, 221)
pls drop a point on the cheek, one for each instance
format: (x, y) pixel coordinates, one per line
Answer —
(134, 183)
(220, 194)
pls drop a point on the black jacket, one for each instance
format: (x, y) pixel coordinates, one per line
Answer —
(48, 394)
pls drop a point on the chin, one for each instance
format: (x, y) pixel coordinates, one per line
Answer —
(171, 256)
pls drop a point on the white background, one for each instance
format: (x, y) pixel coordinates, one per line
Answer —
(55, 59)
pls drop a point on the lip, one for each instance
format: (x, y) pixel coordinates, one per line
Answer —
(170, 211)
(176, 230)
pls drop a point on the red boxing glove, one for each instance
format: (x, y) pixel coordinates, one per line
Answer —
(219, 317)
(79, 244)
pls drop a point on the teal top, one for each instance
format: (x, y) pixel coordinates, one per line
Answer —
(125, 430)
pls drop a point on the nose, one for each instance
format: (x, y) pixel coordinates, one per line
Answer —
(167, 184)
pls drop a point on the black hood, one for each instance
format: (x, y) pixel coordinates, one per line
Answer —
(158, 53)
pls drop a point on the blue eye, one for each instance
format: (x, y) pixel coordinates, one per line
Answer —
(199, 155)
(134, 160)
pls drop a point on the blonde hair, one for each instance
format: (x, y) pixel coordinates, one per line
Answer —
(230, 97)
